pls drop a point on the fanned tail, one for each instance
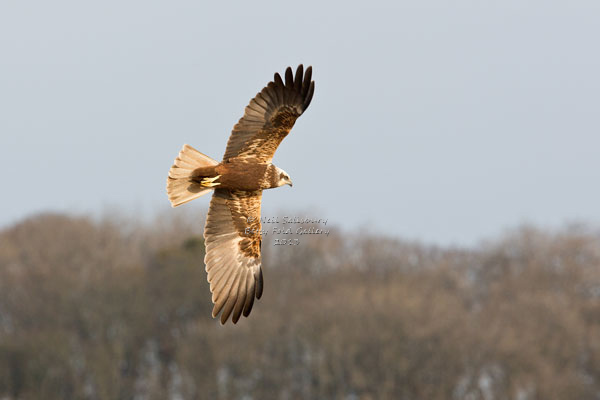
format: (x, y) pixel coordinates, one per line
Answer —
(181, 186)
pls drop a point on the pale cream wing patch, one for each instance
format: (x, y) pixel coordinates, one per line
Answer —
(270, 116)
(233, 262)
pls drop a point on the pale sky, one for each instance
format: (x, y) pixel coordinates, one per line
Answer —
(442, 121)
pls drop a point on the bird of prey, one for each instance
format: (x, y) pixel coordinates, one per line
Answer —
(232, 231)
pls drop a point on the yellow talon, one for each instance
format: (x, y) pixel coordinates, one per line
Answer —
(209, 182)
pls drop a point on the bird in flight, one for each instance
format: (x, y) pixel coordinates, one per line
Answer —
(232, 231)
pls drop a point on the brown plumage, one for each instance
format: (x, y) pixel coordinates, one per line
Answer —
(232, 230)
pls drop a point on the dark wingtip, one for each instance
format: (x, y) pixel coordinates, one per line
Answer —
(309, 96)
(259, 284)
(277, 79)
(247, 310)
(298, 78)
(224, 318)
(306, 81)
(249, 298)
(289, 78)
(308, 74)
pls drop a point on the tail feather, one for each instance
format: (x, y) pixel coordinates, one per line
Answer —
(181, 187)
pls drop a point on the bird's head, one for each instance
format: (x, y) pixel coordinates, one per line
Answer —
(282, 178)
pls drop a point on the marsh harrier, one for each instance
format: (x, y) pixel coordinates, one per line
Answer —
(232, 231)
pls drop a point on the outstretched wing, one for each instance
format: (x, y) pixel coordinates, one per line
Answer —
(232, 237)
(270, 116)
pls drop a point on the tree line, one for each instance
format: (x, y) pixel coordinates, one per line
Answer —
(109, 308)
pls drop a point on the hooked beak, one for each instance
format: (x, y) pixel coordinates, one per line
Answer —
(290, 183)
